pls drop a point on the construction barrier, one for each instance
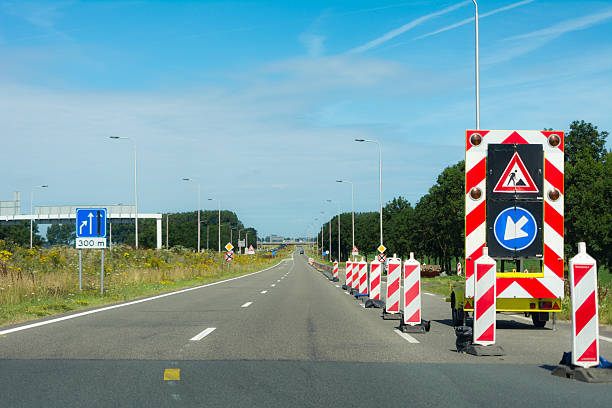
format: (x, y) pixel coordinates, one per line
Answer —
(363, 277)
(349, 274)
(585, 317)
(392, 305)
(374, 289)
(412, 291)
(335, 270)
(484, 299)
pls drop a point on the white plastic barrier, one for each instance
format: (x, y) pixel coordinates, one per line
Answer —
(412, 291)
(374, 281)
(392, 303)
(485, 270)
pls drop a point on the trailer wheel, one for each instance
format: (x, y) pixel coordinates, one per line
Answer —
(539, 319)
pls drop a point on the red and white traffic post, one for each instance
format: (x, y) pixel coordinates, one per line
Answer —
(348, 274)
(585, 316)
(362, 286)
(335, 271)
(392, 304)
(374, 289)
(484, 299)
(411, 317)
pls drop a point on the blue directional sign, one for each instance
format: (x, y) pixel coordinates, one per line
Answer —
(515, 228)
(91, 223)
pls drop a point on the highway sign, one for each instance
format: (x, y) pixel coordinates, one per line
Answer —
(241, 243)
(382, 248)
(90, 231)
(517, 229)
(515, 171)
(229, 256)
(229, 246)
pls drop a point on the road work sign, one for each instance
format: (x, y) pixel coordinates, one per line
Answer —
(251, 250)
(355, 251)
(90, 228)
(515, 171)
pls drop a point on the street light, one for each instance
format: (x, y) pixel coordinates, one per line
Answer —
(477, 70)
(135, 188)
(352, 207)
(31, 210)
(189, 179)
(338, 204)
(379, 180)
(219, 237)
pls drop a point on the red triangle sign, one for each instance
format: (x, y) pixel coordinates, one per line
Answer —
(516, 178)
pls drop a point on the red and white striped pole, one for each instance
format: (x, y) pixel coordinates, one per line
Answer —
(412, 291)
(485, 269)
(349, 274)
(335, 270)
(374, 280)
(585, 316)
(363, 277)
(392, 303)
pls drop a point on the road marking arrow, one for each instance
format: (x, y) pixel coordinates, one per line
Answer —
(515, 231)
(90, 216)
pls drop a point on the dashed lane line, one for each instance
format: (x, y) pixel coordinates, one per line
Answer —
(406, 337)
(263, 292)
(273, 285)
(247, 304)
(203, 334)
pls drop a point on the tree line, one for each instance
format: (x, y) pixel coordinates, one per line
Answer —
(181, 227)
(434, 228)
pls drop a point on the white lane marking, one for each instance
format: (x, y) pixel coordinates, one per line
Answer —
(362, 305)
(134, 302)
(429, 294)
(521, 317)
(247, 304)
(278, 280)
(346, 293)
(203, 334)
(273, 285)
(406, 337)
(604, 338)
(337, 286)
(263, 292)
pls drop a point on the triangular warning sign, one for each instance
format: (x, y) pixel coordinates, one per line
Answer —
(515, 178)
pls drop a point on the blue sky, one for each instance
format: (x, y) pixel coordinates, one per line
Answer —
(261, 101)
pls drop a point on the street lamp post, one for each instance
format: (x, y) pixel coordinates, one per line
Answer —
(199, 227)
(32, 210)
(352, 208)
(477, 69)
(338, 205)
(167, 217)
(219, 229)
(379, 181)
(135, 187)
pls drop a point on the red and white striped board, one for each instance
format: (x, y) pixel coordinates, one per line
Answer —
(392, 303)
(412, 291)
(375, 269)
(551, 285)
(585, 316)
(335, 270)
(484, 299)
(363, 276)
(349, 273)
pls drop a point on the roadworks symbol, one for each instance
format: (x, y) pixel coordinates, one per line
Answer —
(516, 178)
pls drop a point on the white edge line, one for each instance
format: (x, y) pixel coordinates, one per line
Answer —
(203, 334)
(429, 294)
(134, 302)
(247, 304)
(604, 338)
(406, 337)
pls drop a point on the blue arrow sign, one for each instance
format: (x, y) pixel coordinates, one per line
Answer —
(515, 228)
(91, 223)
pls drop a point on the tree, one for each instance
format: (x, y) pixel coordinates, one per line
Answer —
(584, 139)
(20, 234)
(61, 234)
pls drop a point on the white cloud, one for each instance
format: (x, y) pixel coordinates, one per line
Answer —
(406, 27)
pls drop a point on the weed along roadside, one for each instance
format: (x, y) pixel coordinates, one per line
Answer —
(42, 282)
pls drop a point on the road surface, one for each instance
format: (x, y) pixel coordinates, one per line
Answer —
(284, 337)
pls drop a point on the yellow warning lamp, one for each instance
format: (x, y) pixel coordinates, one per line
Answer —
(554, 140)
(554, 194)
(475, 193)
(475, 139)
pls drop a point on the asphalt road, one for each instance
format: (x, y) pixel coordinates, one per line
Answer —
(284, 337)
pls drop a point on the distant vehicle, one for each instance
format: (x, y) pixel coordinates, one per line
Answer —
(301, 251)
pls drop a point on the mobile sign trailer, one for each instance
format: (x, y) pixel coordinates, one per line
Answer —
(514, 206)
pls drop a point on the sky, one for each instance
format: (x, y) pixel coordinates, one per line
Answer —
(260, 102)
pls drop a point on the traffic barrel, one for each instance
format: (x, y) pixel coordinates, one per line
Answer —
(412, 292)
(374, 289)
(392, 305)
(585, 316)
(335, 271)
(484, 299)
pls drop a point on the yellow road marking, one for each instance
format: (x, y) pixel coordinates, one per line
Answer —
(172, 374)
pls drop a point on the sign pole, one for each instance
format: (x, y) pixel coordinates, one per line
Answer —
(80, 271)
(102, 274)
